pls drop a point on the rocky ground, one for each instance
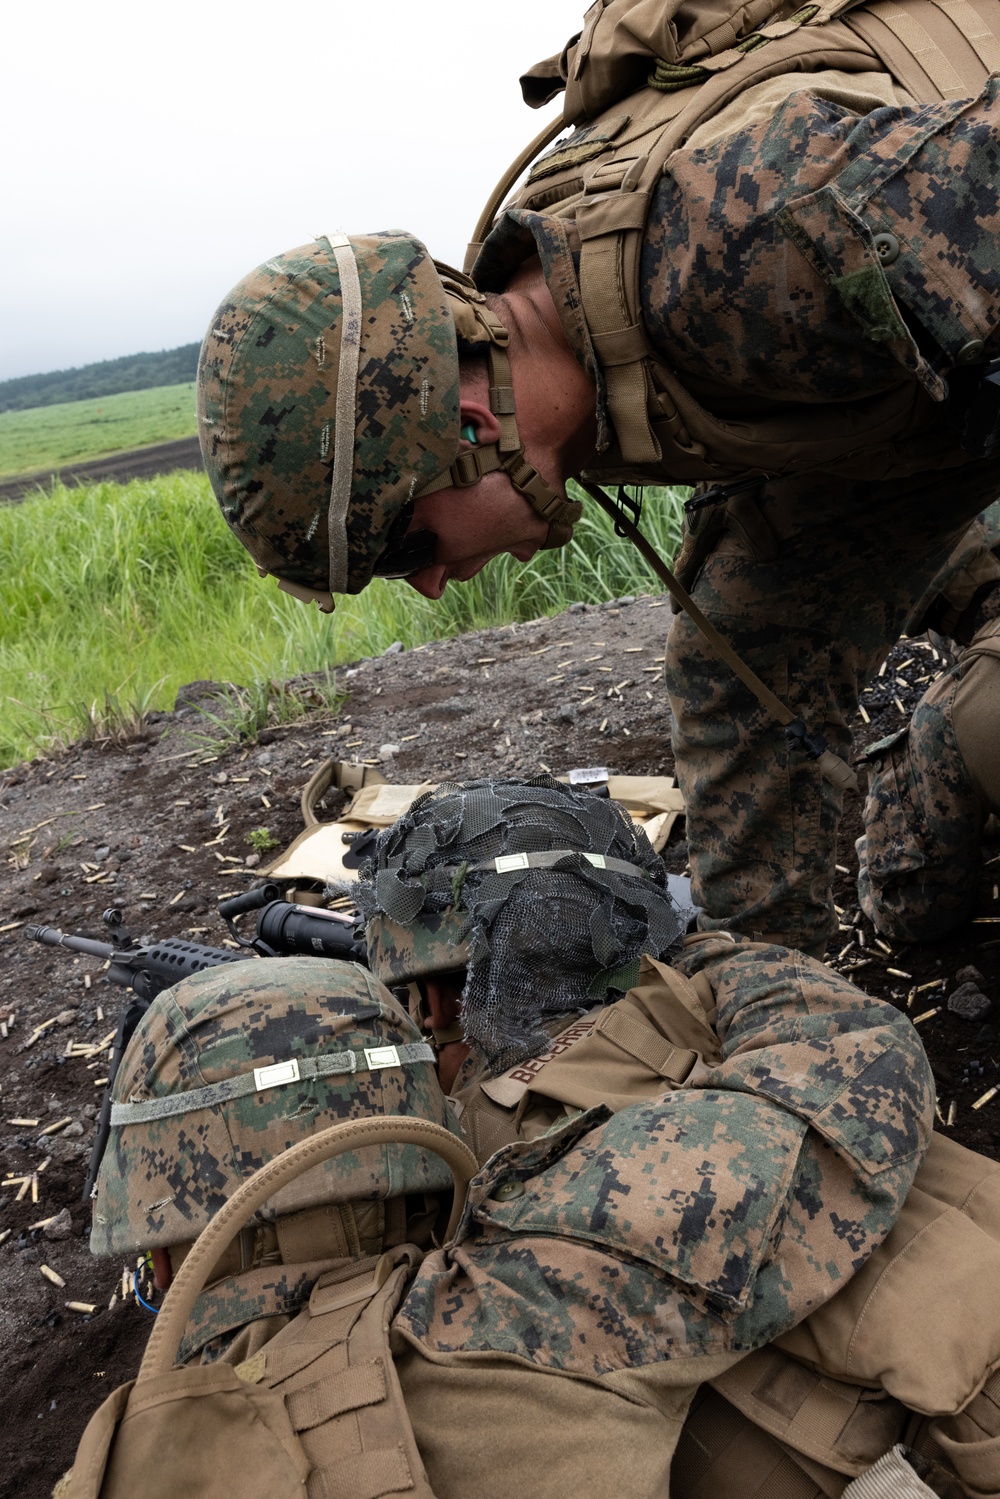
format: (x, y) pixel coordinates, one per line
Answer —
(159, 826)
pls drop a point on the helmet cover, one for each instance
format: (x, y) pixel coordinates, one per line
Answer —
(161, 1181)
(535, 941)
(268, 403)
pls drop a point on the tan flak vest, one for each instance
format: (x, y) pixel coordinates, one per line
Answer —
(640, 79)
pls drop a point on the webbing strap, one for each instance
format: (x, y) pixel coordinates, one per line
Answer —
(836, 770)
(921, 46)
(333, 1394)
(363, 1475)
(984, 42)
(344, 421)
(306, 1069)
(508, 453)
(808, 1411)
(645, 1044)
(610, 321)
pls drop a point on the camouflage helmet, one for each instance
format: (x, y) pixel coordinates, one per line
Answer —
(328, 401)
(232, 1066)
(433, 943)
(545, 894)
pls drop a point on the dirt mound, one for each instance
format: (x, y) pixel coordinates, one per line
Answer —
(160, 828)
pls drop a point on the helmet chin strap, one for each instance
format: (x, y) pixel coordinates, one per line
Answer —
(507, 453)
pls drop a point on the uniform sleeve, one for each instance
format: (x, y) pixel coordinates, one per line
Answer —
(802, 1041)
(708, 1220)
(815, 256)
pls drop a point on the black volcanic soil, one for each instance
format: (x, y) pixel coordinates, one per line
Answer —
(139, 826)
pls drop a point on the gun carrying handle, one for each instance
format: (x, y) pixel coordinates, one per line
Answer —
(161, 1350)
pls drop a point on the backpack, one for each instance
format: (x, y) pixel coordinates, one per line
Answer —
(639, 79)
(317, 1413)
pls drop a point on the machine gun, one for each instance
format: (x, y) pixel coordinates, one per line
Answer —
(283, 929)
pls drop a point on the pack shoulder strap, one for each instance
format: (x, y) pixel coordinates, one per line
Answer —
(936, 48)
(161, 1350)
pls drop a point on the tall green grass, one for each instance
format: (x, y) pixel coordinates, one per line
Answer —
(50, 436)
(112, 596)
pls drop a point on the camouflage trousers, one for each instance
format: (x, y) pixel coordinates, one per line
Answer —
(812, 583)
(930, 791)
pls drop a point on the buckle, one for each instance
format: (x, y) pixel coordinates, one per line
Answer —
(616, 176)
(465, 470)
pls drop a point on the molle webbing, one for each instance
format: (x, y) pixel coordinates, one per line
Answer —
(336, 1064)
(942, 48)
(334, 1369)
(839, 1426)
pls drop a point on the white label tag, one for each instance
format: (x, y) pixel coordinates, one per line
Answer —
(381, 1056)
(276, 1075)
(598, 860)
(588, 775)
(510, 861)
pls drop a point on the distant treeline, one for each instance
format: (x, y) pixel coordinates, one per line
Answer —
(108, 378)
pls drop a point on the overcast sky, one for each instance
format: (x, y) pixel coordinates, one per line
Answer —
(153, 153)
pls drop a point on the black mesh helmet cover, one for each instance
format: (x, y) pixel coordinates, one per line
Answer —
(541, 942)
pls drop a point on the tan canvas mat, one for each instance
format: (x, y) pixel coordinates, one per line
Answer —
(318, 853)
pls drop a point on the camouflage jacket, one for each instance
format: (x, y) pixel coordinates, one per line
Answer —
(706, 1221)
(758, 282)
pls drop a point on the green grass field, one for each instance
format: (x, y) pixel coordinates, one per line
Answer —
(113, 596)
(49, 436)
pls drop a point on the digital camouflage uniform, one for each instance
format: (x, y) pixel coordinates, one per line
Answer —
(758, 287)
(627, 1258)
(681, 1176)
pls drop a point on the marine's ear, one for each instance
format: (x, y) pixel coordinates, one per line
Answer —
(480, 418)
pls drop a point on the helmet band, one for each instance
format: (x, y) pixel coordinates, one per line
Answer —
(345, 419)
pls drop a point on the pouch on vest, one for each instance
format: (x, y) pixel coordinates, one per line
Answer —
(213, 1431)
(921, 1318)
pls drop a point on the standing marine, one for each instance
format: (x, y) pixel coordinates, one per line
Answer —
(765, 261)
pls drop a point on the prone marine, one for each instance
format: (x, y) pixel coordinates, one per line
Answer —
(686, 1149)
(764, 260)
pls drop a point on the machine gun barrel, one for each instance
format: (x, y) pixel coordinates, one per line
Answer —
(53, 937)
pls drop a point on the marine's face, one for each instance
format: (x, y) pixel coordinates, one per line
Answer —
(472, 527)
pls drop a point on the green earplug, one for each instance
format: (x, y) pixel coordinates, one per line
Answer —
(468, 432)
